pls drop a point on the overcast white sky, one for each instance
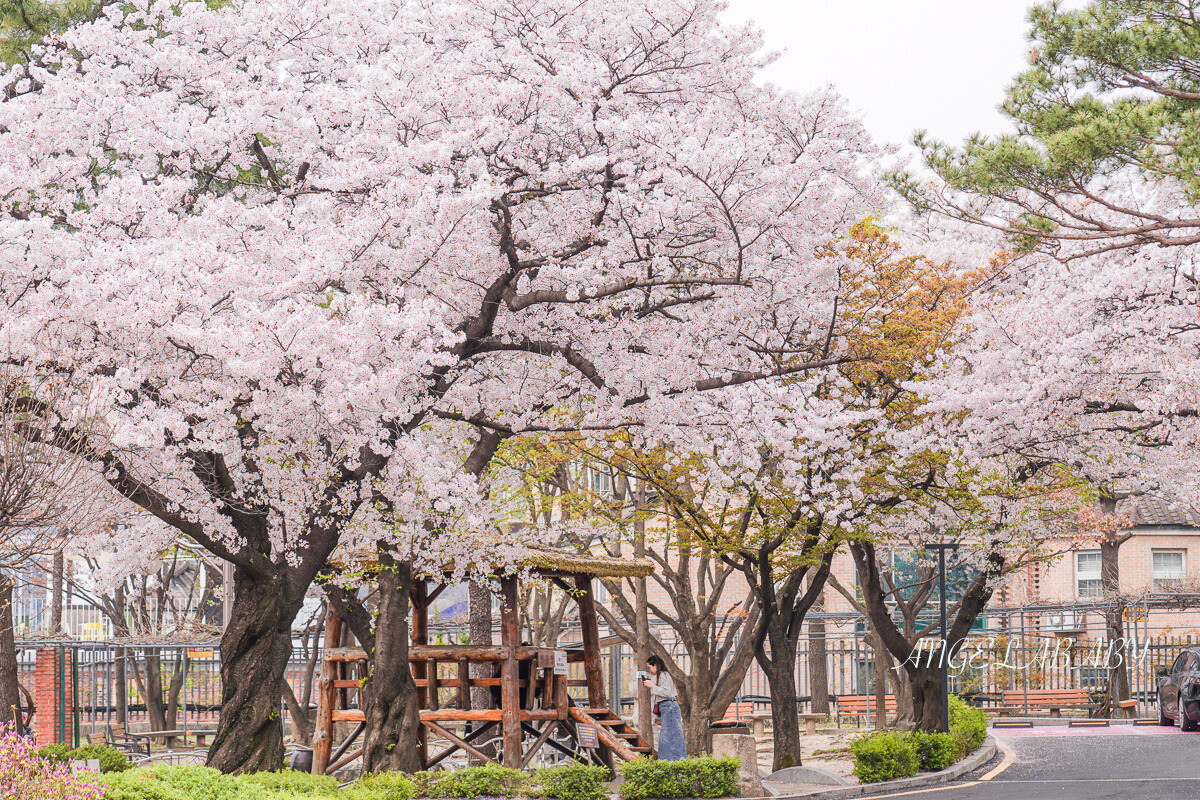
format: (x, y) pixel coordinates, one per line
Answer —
(941, 65)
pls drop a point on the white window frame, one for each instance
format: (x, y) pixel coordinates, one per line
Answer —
(1092, 577)
(1164, 582)
(599, 480)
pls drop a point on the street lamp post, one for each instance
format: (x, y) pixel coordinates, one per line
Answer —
(941, 551)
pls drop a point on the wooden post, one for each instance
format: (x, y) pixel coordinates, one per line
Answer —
(431, 670)
(326, 697)
(420, 635)
(510, 675)
(591, 642)
(561, 699)
(464, 683)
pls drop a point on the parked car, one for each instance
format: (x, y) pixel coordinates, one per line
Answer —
(1179, 691)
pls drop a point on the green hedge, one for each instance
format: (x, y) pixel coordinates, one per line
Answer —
(111, 759)
(188, 782)
(192, 782)
(968, 725)
(935, 751)
(382, 786)
(885, 756)
(571, 782)
(896, 754)
(471, 782)
(689, 777)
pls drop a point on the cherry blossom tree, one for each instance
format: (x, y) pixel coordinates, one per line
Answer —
(314, 242)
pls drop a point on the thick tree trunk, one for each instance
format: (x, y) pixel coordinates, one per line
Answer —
(151, 689)
(120, 697)
(900, 687)
(1114, 614)
(176, 686)
(479, 632)
(780, 669)
(694, 701)
(926, 685)
(881, 665)
(10, 686)
(390, 740)
(818, 669)
(56, 594)
(254, 653)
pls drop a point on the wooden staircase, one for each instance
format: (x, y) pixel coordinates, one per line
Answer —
(613, 732)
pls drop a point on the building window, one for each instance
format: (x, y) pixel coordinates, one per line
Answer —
(1166, 568)
(601, 480)
(1087, 573)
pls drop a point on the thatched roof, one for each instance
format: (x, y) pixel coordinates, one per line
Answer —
(588, 564)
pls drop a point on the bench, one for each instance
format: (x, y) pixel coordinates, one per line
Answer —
(1054, 699)
(861, 705)
(118, 738)
(170, 736)
(742, 712)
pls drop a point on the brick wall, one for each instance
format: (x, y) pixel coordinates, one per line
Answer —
(52, 672)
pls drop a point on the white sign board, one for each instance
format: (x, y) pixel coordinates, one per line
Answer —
(560, 662)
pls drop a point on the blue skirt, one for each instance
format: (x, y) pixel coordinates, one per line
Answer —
(670, 733)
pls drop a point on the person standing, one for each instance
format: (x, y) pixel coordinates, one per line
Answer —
(666, 708)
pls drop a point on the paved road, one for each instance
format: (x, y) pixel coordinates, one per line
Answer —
(1121, 762)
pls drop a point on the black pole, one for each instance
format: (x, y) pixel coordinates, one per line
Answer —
(945, 642)
(941, 550)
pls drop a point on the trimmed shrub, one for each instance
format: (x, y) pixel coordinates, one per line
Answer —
(689, 777)
(471, 782)
(384, 786)
(572, 782)
(884, 756)
(290, 781)
(111, 759)
(935, 751)
(968, 726)
(55, 753)
(182, 782)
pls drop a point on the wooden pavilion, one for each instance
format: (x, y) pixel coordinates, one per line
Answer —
(548, 707)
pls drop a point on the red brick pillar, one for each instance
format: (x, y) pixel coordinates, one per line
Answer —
(54, 694)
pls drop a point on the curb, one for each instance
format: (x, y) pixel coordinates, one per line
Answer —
(984, 754)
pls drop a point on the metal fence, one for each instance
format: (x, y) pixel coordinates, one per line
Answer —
(990, 664)
(99, 669)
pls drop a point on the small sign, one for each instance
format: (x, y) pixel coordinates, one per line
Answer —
(545, 659)
(196, 653)
(89, 765)
(560, 662)
(586, 734)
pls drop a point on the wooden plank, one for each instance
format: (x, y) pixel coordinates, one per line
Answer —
(458, 742)
(454, 683)
(605, 735)
(334, 767)
(472, 736)
(346, 654)
(464, 682)
(326, 695)
(590, 630)
(484, 715)
(510, 693)
(431, 679)
(562, 700)
(541, 740)
(348, 715)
